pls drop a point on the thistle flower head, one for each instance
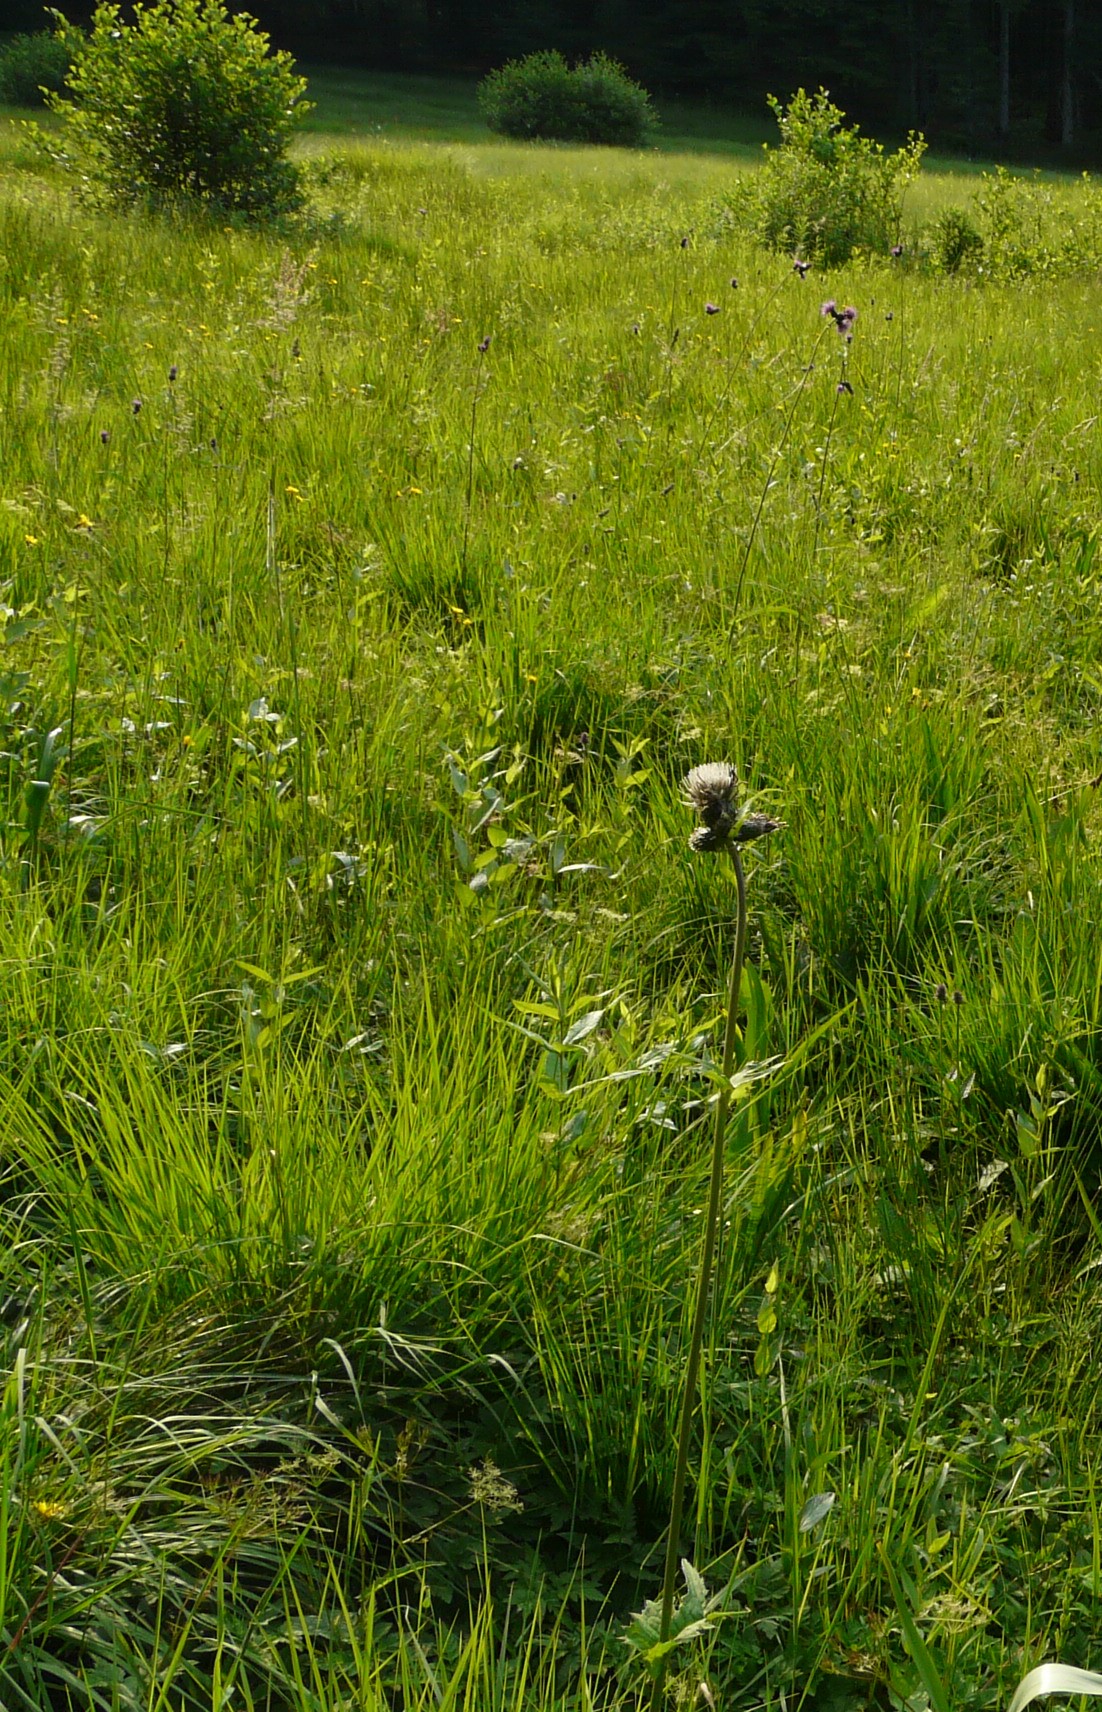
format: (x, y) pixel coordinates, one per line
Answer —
(712, 790)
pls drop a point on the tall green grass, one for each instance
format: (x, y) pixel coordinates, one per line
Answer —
(360, 993)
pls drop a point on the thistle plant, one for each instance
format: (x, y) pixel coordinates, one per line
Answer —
(712, 791)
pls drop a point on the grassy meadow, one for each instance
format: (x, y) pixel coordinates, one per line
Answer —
(359, 990)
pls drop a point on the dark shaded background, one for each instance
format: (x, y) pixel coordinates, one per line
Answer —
(977, 73)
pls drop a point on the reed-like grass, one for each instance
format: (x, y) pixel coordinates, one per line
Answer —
(360, 998)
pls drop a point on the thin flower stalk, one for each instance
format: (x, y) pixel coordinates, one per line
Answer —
(711, 791)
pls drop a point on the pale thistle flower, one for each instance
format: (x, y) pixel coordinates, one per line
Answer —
(712, 790)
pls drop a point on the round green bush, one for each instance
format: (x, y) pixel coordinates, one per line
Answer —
(30, 65)
(827, 192)
(541, 97)
(186, 105)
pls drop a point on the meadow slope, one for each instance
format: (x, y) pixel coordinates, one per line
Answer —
(359, 990)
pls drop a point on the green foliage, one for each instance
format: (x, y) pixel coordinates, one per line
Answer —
(32, 67)
(185, 105)
(543, 98)
(1019, 227)
(360, 998)
(955, 241)
(827, 193)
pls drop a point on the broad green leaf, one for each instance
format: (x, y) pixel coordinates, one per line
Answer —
(816, 1510)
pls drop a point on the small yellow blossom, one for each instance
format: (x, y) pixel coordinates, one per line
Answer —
(31, 540)
(50, 1509)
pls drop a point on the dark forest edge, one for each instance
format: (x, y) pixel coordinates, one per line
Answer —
(1012, 78)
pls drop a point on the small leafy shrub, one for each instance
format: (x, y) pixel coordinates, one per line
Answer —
(1032, 229)
(31, 64)
(827, 192)
(184, 105)
(1019, 228)
(955, 241)
(541, 97)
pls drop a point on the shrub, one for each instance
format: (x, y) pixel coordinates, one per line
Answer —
(184, 105)
(828, 192)
(30, 65)
(955, 240)
(595, 101)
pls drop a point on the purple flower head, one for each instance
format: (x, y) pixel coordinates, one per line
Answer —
(843, 318)
(844, 386)
(800, 267)
(104, 436)
(136, 406)
(172, 373)
(896, 251)
(484, 344)
(711, 309)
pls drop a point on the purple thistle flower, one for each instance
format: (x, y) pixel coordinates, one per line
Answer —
(800, 267)
(484, 344)
(896, 251)
(711, 309)
(104, 436)
(136, 406)
(844, 386)
(843, 318)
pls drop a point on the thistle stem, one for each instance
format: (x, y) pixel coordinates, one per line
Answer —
(704, 1277)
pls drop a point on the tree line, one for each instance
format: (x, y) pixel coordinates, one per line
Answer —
(971, 72)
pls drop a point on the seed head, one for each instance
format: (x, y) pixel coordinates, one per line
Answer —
(712, 790)
(173, 372)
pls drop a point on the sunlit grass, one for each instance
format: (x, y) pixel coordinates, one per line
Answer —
(360, 992)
